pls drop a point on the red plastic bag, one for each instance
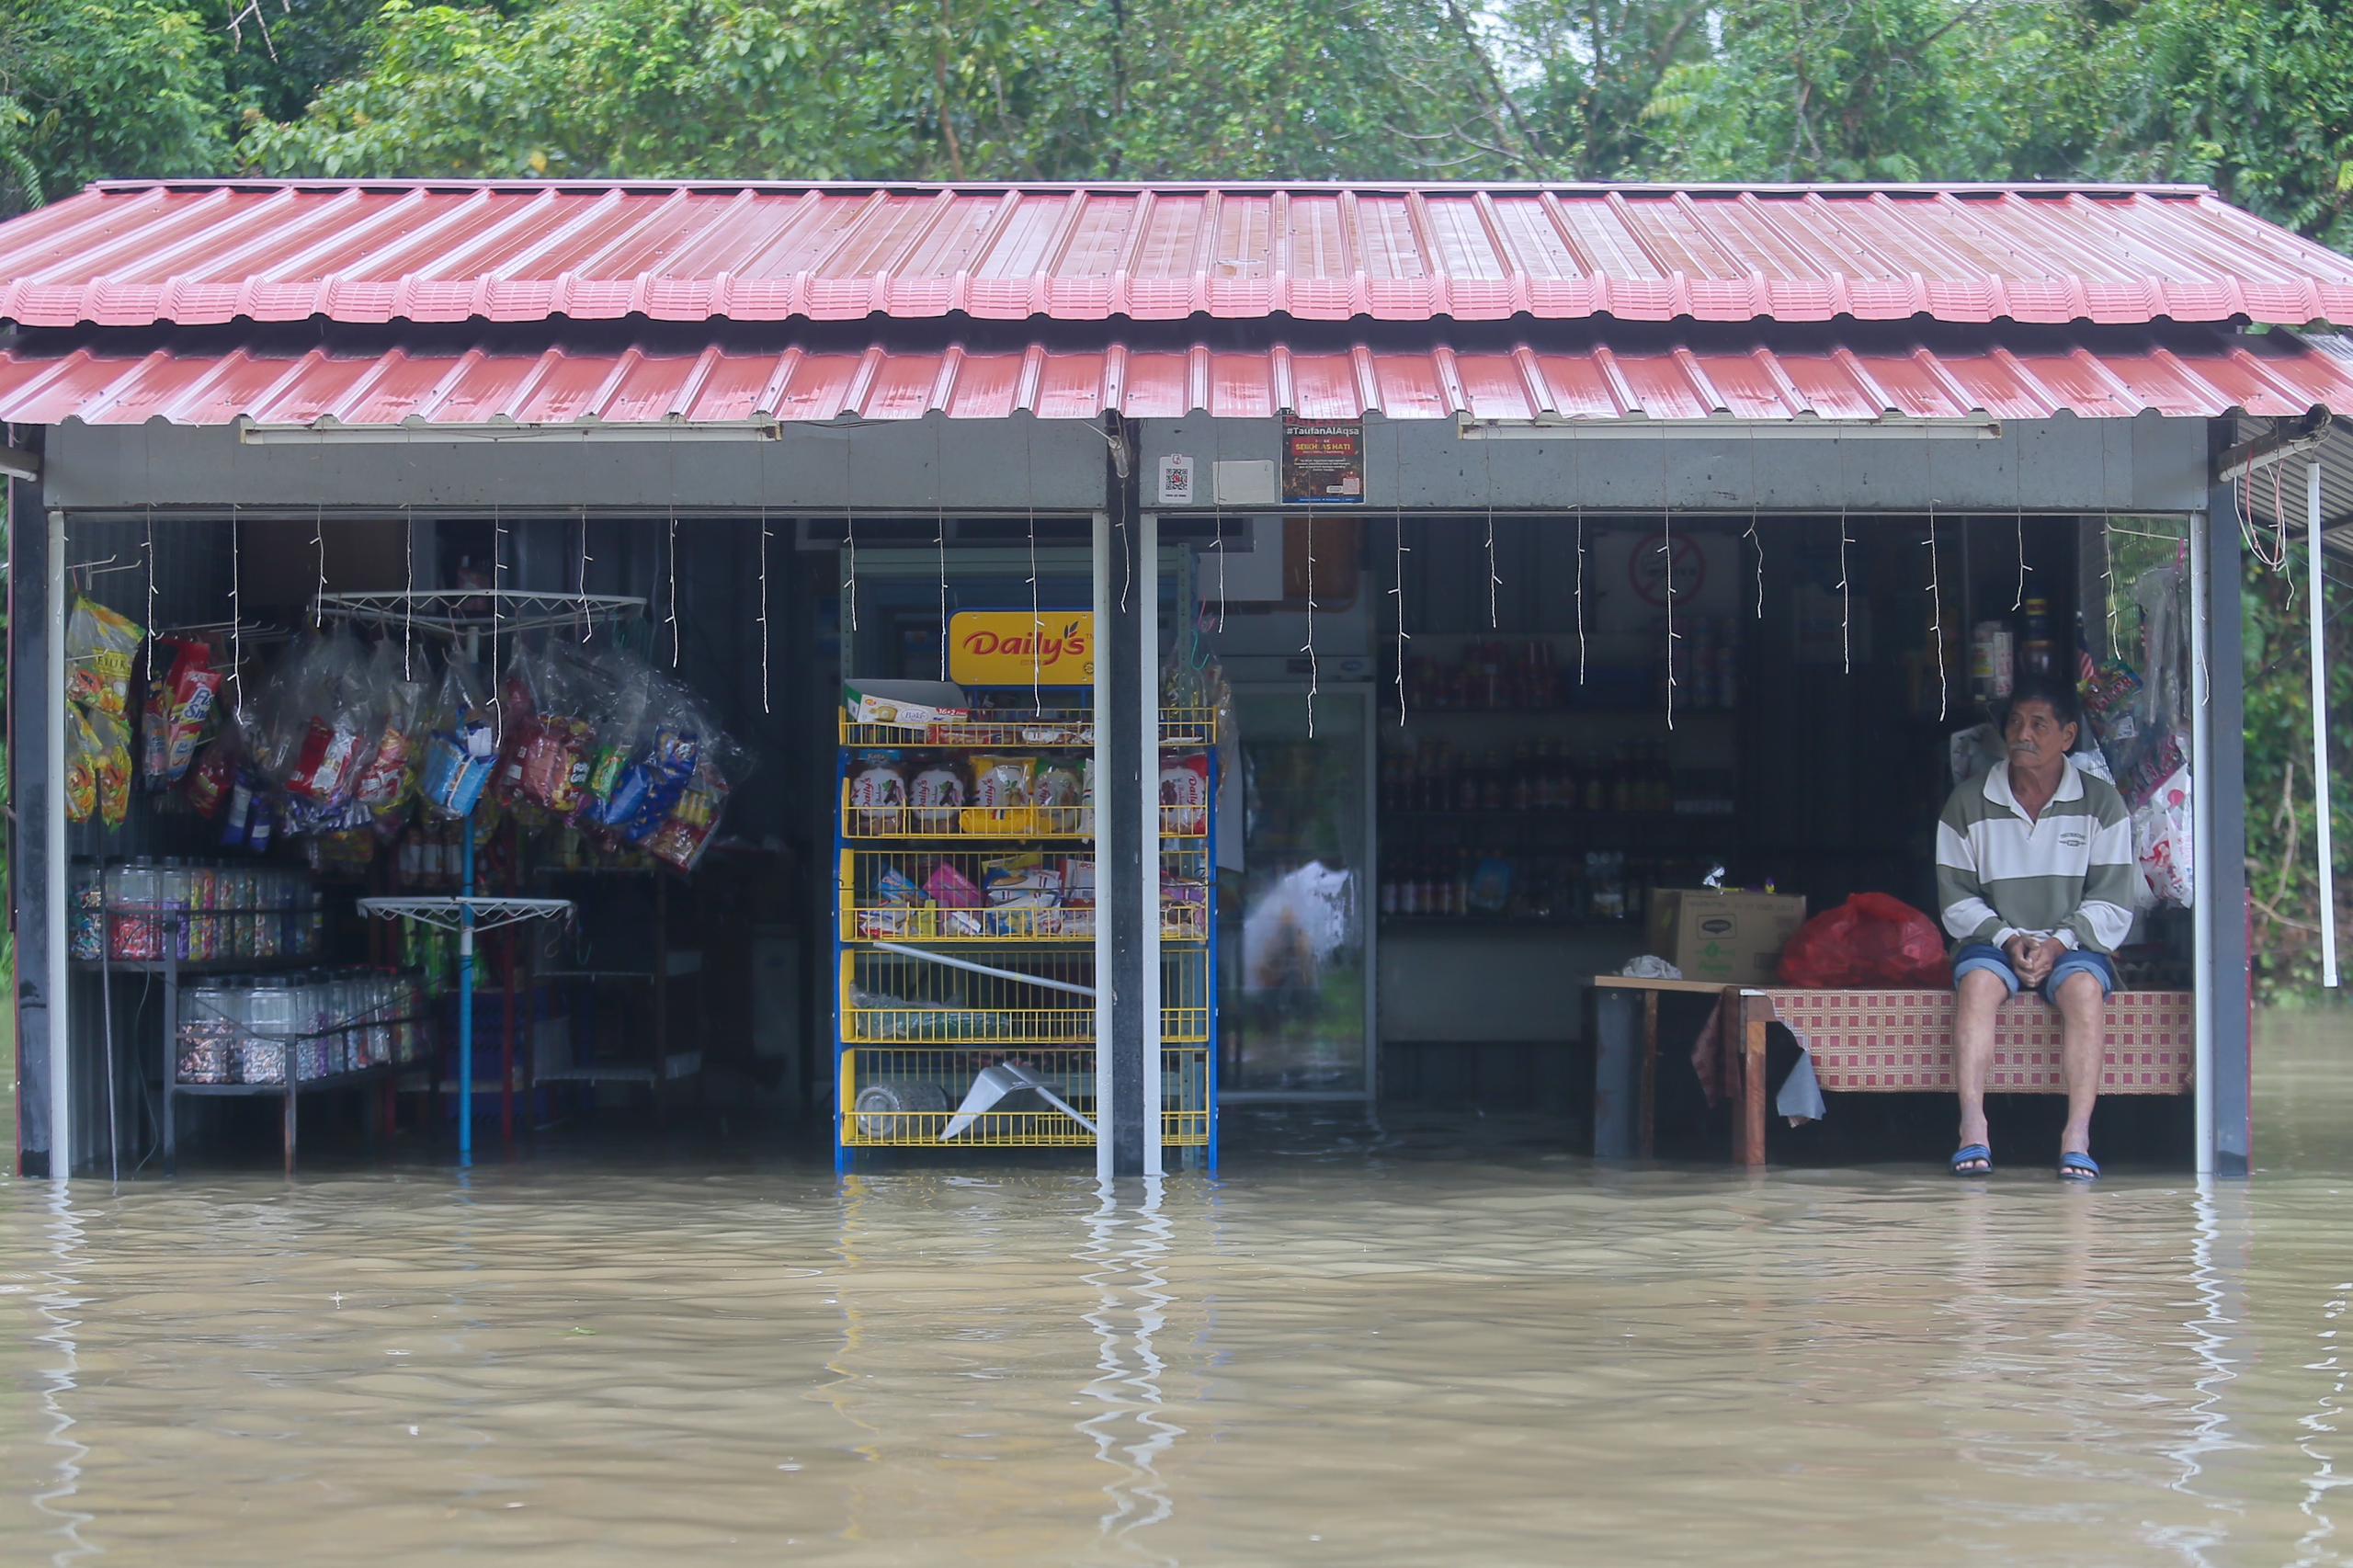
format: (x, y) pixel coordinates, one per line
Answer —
(1871, 939)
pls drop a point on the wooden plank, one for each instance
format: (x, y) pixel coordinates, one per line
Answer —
(1628, 982)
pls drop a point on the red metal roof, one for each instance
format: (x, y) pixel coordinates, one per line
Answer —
(472, 377)
(193, 253)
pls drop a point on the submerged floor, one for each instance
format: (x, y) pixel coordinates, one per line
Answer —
(1394, 1349)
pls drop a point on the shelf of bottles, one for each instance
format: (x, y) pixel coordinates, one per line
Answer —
(965, 933)
(1563, 800)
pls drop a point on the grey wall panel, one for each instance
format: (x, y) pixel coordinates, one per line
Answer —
(974, 466)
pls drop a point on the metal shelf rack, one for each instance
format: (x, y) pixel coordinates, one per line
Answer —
(961, 1023)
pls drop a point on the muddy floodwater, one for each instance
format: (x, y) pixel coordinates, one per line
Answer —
(1356, 1349)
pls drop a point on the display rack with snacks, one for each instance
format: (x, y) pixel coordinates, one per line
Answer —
(964, 941)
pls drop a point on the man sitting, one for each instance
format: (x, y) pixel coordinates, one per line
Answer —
(2034, 875)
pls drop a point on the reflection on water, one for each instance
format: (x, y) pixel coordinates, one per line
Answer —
(1401, 1348)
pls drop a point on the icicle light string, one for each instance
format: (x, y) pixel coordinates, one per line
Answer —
(764, 610)
(938, 536)
(587, 620)
(1314, 668)
(408, 598)
(1936, 616)
(2017, 599)
(1666, 534)
(1580, 595)
(1217, 514)
(674, 587)
(1756, 543)
(236, 617)
(850, 536)
(497, 708)
(2107, 580)
(150, 590)
(1037, 621)
(319, 543)
(1493, 582)
(1845, 602)
(1397, 522)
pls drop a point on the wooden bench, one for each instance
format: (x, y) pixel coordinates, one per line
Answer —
(1889, 1042)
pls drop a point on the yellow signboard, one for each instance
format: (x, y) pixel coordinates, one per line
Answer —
(1009, 647)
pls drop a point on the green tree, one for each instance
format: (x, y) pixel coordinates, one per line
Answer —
(2254, 97)
(91, 89)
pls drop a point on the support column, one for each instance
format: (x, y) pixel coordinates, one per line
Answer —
(1127, 916)
(29, 720)
(2224, 994)
(51, 708)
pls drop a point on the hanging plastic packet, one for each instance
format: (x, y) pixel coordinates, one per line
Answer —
(387, 779)
(81, 767)
(100, 645)
(211, 779)
(463, 750)
(113, 764)
(693, 822)
(557, 748)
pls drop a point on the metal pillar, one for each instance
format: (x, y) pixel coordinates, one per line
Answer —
(29, 556)
(54, 894)
(1127, 862)
(2225, 1119)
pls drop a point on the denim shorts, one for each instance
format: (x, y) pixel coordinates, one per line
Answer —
(2074, 960)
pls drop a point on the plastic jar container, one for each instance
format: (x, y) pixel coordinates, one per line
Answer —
(265, 1046)
(134, 931)
(86, 936)
(208, 1032)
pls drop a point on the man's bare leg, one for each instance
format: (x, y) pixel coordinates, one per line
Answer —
(2082, 1024)
(1979, 996)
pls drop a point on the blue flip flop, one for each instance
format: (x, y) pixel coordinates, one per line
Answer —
(2078, 1167)
(1969, 1151)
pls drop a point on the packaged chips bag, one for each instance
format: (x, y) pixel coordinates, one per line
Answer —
(463, 749)
(81, 766)
(100, 644)
(389, 777)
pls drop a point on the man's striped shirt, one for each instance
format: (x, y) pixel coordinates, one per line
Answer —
(2067, 874)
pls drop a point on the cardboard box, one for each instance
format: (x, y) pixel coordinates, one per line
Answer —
(904, 704)
(1731, 939)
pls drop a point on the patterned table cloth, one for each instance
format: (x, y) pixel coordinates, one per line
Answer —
(1901, 1041)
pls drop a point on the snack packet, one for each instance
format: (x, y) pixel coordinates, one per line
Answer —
(100, 644)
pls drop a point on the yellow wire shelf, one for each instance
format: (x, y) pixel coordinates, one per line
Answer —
(893, 999)
(999, 824)
(1050, 730)
(897, 1097)
(966, 896)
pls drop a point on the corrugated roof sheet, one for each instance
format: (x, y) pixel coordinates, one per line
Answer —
(126, 254)
(475, 377)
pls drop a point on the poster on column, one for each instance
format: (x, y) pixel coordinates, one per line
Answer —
(1323, 461)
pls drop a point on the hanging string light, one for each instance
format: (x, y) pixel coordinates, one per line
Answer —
(1315, 666)
(1399, 594)
(1666, 534)
(764, 610)
(587, 620)
(1217, 514)
(150, 590)
(1580, 595)
(1756, 543)
(2017, 599)
(2108, 578)
(1937, 614)
(938, 536)
(1845, 601)
(319, 543)
(408, 595)
(850, 534)
(1037, 621)
(1493, 582)
(674, 587)
(498, 710)
(236, 617)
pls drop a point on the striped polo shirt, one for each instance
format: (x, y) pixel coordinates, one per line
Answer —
(2068, 874)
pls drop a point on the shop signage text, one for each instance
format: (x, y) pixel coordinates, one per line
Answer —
(1009, 647)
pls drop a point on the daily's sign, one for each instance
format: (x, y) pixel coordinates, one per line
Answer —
(1008, 647)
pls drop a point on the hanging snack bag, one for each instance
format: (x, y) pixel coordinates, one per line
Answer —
(390, 775)
(81, 767)
(683, 836)
(156, 719)
(113, 766)
(99, 647)
(210, 781)
(464, 747)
